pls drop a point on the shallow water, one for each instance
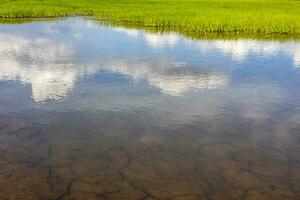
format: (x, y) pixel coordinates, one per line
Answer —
(96, 112)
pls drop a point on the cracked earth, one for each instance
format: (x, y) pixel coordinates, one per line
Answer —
(110, 160)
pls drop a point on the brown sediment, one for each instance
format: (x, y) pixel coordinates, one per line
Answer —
(205, 161)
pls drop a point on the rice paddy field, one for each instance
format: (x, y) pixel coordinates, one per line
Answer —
(267, 17)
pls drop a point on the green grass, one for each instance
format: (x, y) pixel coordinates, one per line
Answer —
(266, 17)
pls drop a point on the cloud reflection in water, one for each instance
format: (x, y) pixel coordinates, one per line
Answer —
(51, 68)
(239, 50)
(51, 61)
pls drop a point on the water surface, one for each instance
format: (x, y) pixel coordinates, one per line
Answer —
(89, 111)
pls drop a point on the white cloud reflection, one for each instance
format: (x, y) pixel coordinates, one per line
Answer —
(50, 69)
(241, 50)
(238, 50)
(167, 79)
(161, 40)
(51, 65)
(129, 32)
(39, 62)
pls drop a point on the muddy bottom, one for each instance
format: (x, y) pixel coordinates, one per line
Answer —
(84, 158)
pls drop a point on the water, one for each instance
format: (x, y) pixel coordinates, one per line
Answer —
(96, 112)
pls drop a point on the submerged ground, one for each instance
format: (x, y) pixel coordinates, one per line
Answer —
(192, 16)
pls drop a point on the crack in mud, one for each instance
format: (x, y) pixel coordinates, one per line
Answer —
(52, 163)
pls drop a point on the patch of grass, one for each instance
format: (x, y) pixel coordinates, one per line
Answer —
(192, 17)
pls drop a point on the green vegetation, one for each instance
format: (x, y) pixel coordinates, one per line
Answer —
(266, 17)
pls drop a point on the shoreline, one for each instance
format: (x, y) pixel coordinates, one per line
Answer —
(210, 35)
(258, 18)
